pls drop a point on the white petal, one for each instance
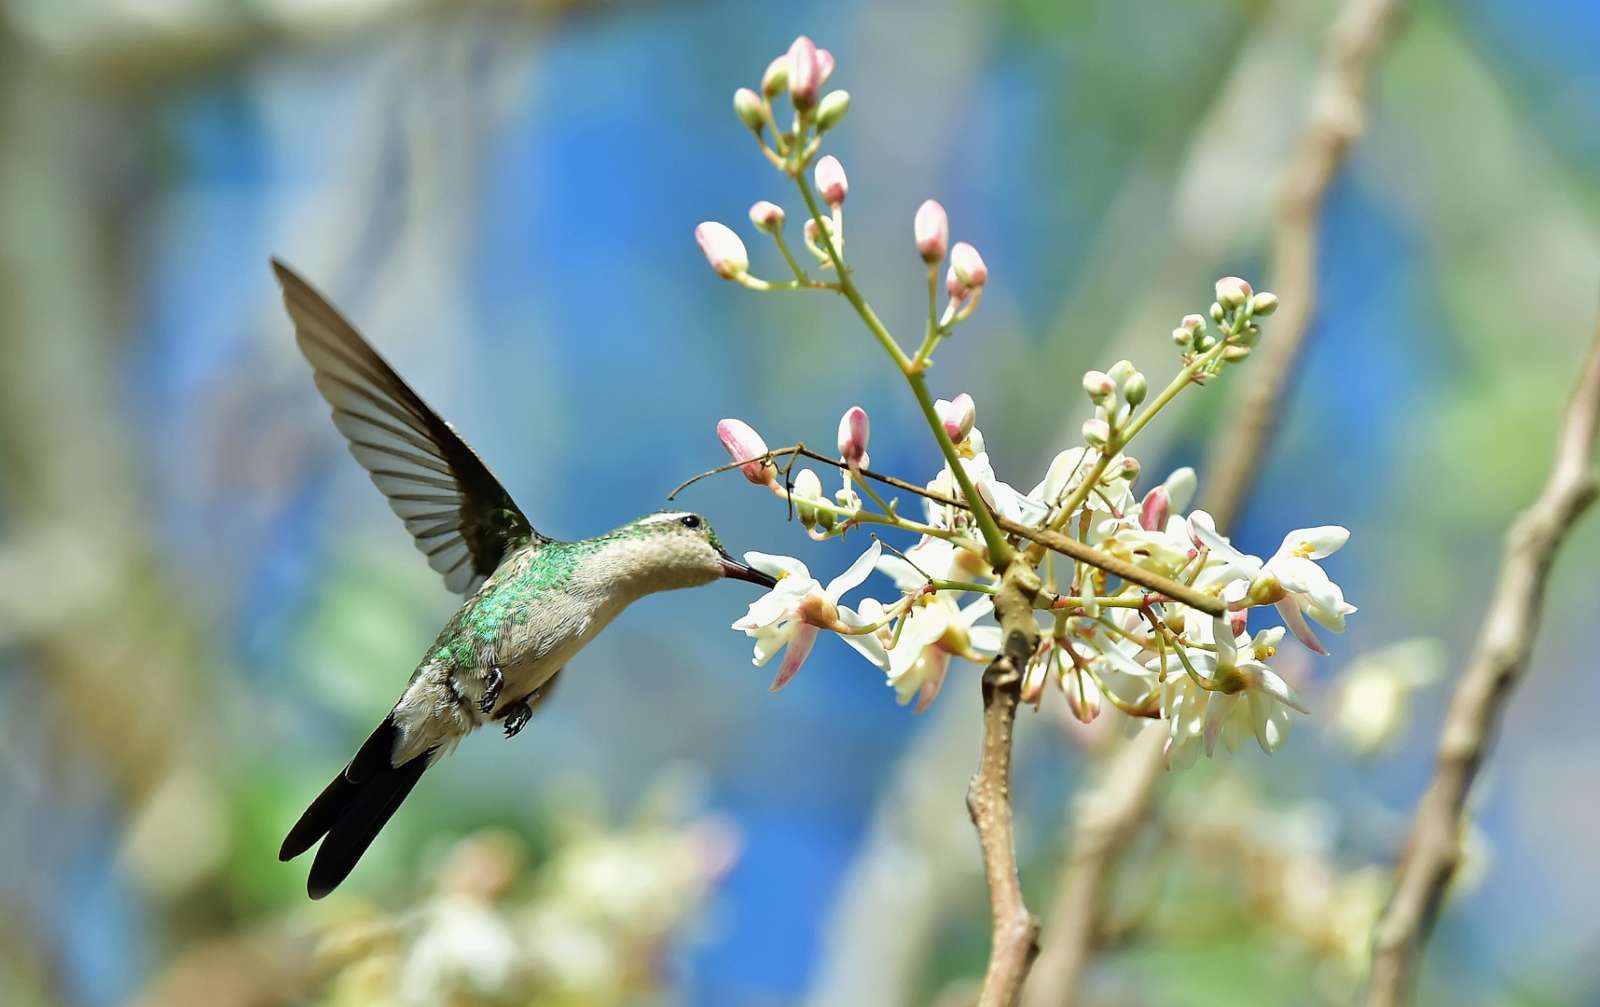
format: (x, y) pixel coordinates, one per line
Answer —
(985, 639)
(777, 565)
(856, 573)
(1315, 543)
(1205, 529)
(905, 576)
(1180, 488)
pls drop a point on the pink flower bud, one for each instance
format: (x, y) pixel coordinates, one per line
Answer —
(831, 181)
(853, 432)
(1033, 683)
(723, 249)
(1239, 621)
(1232, 292)
(767, 216)
(747, 106)
(957, 415)
(953, 285)
(824, 66)
(1194, 323)
(745, 445)
(1154, 509)
(931, 228)
(968, 265)
(805, 75)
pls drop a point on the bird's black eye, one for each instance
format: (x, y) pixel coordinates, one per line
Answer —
(691, 520)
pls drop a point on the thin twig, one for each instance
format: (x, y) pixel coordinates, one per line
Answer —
(1064, 544)
(1496, 667)
(1108, 814)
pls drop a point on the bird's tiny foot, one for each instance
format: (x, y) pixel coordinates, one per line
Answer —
(517, 716)
(491, 689)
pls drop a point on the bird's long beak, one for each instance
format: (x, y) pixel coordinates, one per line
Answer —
(742, 571)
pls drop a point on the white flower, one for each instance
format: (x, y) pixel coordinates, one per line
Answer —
(1268, 699)
(789, 615)
(1373, 707)
(1290, 579)
(934, 630)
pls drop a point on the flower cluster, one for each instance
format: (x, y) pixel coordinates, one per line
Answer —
(1143, 606)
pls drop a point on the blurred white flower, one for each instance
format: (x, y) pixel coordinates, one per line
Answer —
(1372, 708)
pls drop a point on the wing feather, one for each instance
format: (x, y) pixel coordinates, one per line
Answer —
(460, 516)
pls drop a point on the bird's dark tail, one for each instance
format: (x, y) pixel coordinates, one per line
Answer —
(352, 810)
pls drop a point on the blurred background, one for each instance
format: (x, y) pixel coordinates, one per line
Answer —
(205, 606)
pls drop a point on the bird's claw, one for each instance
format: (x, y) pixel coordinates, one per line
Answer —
(491, 689)
(517, 716)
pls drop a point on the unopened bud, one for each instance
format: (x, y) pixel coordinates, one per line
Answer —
(767, 216)
(722, 249)
(1217, 314)
(805, 75)
(1154, 509)
(1096, 432)
(1129, 469)
(831, 181)
(1135, 388)
(931, 227)
(831, 109)
(807, 491)
(1121, 371)
(776, 79)
(1099, 385)
(747, 106)
(957, 415)
(813, 234)
(968, 265)
(1033, 681)
(1239, 621)
(824, 66)
(743, 444)
(1234, 354)
(1264, 303)
(1194, 323)
(1232, 292)
(1083, 697)
(853, 432)
(953, 285)
(1182, 336)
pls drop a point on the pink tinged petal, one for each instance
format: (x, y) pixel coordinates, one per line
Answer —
(800, 644)
(1204, 531)
(968, 266)
(938, 664)
(723, 249)
(953, 285)
(931, 228)
(957, 416)
(854, 430)
(766, 216)
(1154, 508)
(1290, 611)
(855, 573)
(831, 181)
(824, 66)
(743, 444)
(805, 73)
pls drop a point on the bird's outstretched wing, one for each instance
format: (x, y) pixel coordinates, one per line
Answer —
(463, 520)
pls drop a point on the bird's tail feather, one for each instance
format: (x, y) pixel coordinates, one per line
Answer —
(353, 808)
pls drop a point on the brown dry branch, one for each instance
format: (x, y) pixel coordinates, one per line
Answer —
(1108, 814)
(1014, 942)
(1497, 665)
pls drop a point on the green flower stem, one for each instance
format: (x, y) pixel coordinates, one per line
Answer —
(862, 516)
(963, 585)
(994, 539)
(788, 256)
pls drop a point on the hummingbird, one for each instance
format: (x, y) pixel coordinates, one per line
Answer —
(532, 602)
